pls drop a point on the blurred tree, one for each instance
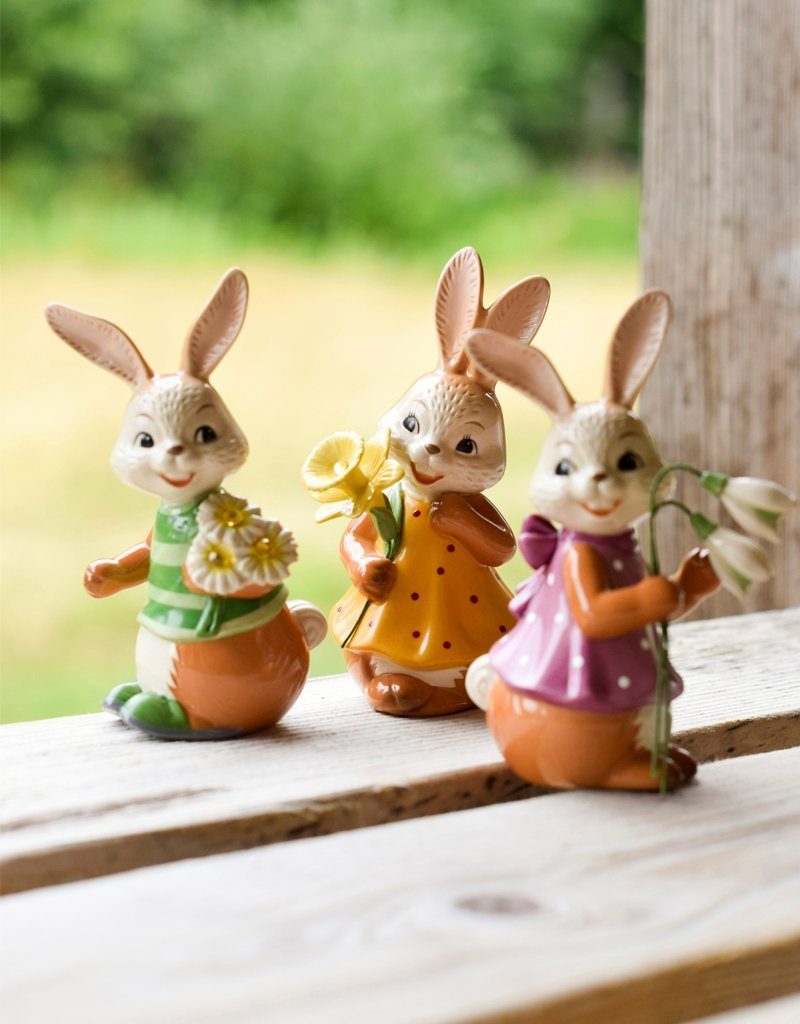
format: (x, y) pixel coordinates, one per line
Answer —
(377, 118)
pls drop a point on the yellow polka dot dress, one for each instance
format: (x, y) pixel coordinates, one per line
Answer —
(444, 610)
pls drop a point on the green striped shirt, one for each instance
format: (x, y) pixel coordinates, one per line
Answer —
(175, 612)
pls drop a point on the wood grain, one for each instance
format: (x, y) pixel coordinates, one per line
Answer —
(91, 798)
(721, 234)
(776, 1011)
(578, 907)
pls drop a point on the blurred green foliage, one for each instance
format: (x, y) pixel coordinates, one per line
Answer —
(380, 120)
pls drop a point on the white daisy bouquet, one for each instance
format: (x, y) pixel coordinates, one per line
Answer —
(235, 548)
(738, 560)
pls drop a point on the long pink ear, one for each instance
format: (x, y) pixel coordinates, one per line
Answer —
(636, 346)
(99, 341)
(527, 369)
(459, 297)
(217, 327)
(520, 310)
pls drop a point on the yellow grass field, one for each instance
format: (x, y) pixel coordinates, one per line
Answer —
(325, 347)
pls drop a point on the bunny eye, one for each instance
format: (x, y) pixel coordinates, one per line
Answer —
(629, 461)
(411, 423)
(144, 440)
(467, 446)
(564, 468)
(205, 435)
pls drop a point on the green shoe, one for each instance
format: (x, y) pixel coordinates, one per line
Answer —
(116, 698)
(165, 719)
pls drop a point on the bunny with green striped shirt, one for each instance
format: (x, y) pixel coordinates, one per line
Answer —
(221, 651)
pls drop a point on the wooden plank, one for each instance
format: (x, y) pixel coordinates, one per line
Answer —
(721, 234)
(578, 907)
(92, 798)
(776, 1011)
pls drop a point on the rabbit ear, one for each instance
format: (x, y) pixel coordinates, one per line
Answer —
(520, 310)
(217, 327)
(526, 369)
(636, 346)
(100, 341)
(458, 304)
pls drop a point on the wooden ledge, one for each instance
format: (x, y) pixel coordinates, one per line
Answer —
(91, 798)
(580, 907)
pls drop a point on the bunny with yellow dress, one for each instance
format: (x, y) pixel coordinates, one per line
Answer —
(423, 607)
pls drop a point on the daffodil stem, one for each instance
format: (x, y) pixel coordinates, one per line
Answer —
(663, 718)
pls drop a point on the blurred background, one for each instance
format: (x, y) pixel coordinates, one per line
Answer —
(339, 151)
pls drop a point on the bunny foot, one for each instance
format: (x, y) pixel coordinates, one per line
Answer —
(116, 698)
(163, 718)
(684, 760)
(636, 774)
(395, 694)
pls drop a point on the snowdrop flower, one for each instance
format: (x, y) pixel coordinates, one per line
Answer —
(737, 560)
(266, 560)
(756, 505)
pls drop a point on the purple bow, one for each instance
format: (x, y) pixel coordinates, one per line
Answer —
(537, 542)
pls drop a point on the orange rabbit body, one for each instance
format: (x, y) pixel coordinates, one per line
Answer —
(441, 603)
(570, 692)
(220, 652)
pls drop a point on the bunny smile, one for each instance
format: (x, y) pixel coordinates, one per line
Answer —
(421, 478)
(602, 511)
(178, 483)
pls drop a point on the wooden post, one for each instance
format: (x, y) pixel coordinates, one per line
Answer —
(721, 234)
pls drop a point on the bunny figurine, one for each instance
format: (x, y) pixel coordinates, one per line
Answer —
(440, 603)
(569, 692)
(220, 651)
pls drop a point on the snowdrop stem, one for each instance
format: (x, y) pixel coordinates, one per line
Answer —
(663, 718)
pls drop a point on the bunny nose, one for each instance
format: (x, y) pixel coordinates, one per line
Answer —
(432, 449)
(599, 477)
(176, 449)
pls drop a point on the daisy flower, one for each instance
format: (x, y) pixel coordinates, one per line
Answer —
(223, 517)
(211, 565)
(267, 559)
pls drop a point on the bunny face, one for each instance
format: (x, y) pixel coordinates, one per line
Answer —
(598, 462)
(447, 434)
(595, 470)
(178, 440)
(447, 429)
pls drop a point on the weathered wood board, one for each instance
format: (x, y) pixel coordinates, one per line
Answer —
(776, 1011)
(721, 234)
(576, 907)
(90, 798)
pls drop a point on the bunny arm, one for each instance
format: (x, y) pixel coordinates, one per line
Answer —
(108, 576)
(476, 524)
(602, 613)
(250, 591)
(370, 572)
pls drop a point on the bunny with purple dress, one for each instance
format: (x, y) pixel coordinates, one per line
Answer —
(570, 691)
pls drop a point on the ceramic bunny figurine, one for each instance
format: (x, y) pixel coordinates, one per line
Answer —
(220, 651)
(440, 603)
(569, 691)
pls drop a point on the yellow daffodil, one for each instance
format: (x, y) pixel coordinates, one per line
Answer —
(211, 565)
(266, 560)
(348, 475)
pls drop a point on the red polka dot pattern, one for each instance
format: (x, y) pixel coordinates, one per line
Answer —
(440, 571)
